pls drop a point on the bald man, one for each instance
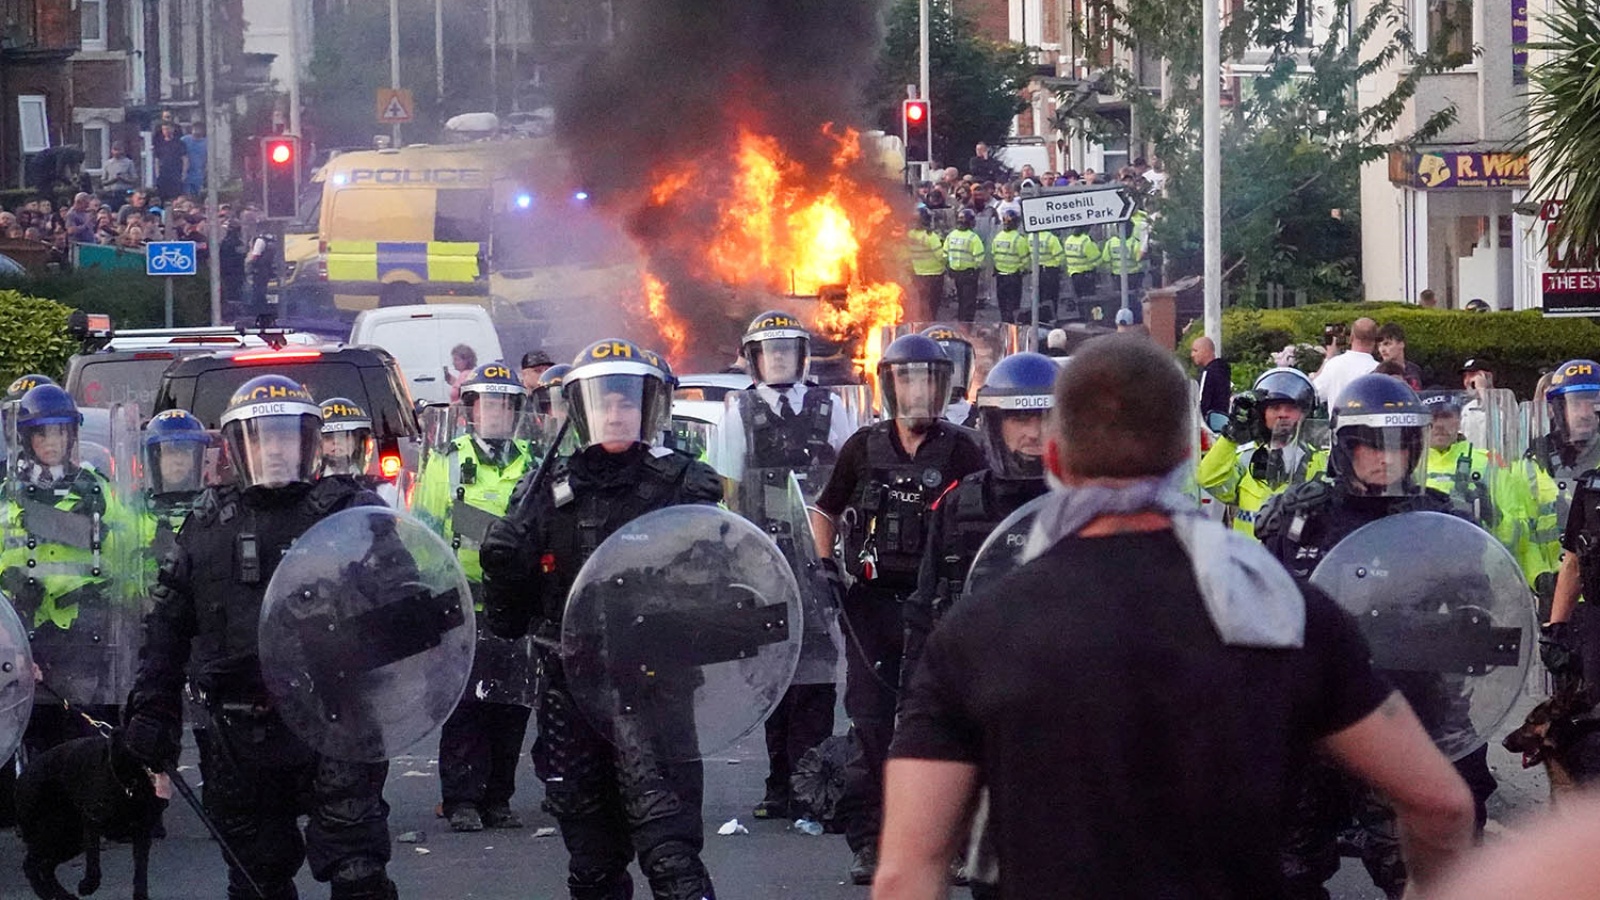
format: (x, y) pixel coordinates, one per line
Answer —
(1216, 377)
(1341, 368)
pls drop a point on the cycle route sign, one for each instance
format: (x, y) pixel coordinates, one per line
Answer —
(170, 258)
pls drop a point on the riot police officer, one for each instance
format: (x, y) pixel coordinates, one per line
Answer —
(1012, 405)
(259, 776)
(64, 566)
(460, 495)
(612, 801)
(782, 426)
(887, 476)
(549, 412)
(1572, 445)
(1261, 451)
(1375, 469)
(175, 445)
(960, 410)
(347, 447)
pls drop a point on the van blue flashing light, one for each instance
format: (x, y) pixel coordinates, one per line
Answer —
(524, 201)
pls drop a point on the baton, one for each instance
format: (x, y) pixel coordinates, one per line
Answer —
(216, 833)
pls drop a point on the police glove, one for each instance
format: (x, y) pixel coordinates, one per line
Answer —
(831, 575)
(1245, 423)
(151, 742)
(1558, 649)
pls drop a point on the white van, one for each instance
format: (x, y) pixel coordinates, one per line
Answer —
(421, 337)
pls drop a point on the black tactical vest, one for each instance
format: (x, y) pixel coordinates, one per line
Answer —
(891, 504)
(234, 542)
(1587, 498)
(771, 441)
(969, 514)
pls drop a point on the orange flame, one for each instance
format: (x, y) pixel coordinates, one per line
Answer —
(788, 231)
(672, 328)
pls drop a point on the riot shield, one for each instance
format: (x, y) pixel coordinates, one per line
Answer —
(681, 632)
(774, 500)
(70, 564)
(1446, 614)
(366, 634)
(1002, 550)
(16, 680)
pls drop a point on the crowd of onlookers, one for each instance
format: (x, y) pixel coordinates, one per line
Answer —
(98, 219)
(988, 183)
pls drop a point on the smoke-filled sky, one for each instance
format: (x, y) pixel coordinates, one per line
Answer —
(675, 87)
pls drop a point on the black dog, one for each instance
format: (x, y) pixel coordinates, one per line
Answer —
(71, 796)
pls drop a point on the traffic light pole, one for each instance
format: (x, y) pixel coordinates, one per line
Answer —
(213, 243)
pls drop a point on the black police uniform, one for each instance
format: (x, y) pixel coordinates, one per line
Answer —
(1578, 640)
(1300, 527)
(883, 496)
(1565, 465)
(259, 777)
(612, 802)
(959, 523)
(804, 717)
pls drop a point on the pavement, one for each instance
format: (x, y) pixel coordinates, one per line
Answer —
(772, 860)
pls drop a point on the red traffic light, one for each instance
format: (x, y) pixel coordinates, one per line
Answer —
(280, 153)
(916, 112)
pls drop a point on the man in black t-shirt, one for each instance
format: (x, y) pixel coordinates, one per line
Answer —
(877, 499)
(1133, 708)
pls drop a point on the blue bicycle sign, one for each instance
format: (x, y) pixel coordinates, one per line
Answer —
(170, 258)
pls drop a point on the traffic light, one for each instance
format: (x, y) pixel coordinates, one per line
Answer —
(280, 175)
(916, 128)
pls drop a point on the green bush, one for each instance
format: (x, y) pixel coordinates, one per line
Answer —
(132, 299)
(33, 337)
(1520, 344)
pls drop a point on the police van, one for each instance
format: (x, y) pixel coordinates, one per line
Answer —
(454, 223)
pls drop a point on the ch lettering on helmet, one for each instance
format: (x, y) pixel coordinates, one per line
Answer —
(944, 334)
(342, 409)
(777, 322)
(494, 371)
(169, 414)
(276, 392)
(611, 350)
(1577, 369)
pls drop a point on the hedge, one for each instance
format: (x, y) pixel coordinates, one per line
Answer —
(33, 337)
(1519, 344)
(133, 299)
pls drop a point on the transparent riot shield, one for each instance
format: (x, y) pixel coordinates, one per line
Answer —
(681, 633)
(502, 671)
(16, 680)
(366, 634)
(70, 559)
(1002, 550)
(1553, 467)
(698, 438)
(774, 500)
(856, 401)
(1446, 614)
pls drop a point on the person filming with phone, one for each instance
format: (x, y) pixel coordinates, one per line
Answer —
(1341, 368)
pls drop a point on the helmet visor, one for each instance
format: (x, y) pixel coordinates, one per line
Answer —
(916, 391)
(493, 417)
(960, 354)
(272, 451)
(1014, 441)
(176, 467)
(617, 410)
(1575, 417)
(50, 444)
(778, 360)
(1383, 461)
(346, 452)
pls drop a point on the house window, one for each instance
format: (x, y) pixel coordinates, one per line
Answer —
(94, 24)
(1445, 26)
(35, 123)
(96, 146)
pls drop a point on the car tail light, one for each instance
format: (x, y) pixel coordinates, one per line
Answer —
(274, 356)
(153, 354)
(389, 464)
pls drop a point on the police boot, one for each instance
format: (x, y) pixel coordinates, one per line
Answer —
(373, 887)
(600, 885)
(676, 873)
(283, 891)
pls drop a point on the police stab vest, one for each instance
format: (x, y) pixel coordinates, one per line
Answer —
(771, 441)
(891, 503)
(976, 505)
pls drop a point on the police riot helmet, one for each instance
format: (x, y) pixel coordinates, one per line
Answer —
(1020, 389)
(959, 349)
(346, 437)
(924, 218)
(272, 429)
(777, 349)
(547, 399)
(44, 414)
(493, 395)
(1284, 384)
(966, 218)
(1572, 400)
(1445, 409)
(618, 394)
(23, 384)
(174, 452)
(914, 376)
(1379, 413)
(1010, 215)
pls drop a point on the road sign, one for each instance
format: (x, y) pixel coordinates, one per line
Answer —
(1049, 212)
(170, 258)
(395, 106)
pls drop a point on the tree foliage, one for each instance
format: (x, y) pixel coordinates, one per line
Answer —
(33, 336)
(1293, 140)
(975, 85)
(1564, 120)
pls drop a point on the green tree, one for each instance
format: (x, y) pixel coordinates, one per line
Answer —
(1293, 141)
(975, 85)
(1564, 120)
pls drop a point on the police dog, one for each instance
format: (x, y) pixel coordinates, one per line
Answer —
(71, 796)
(1568, 746)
